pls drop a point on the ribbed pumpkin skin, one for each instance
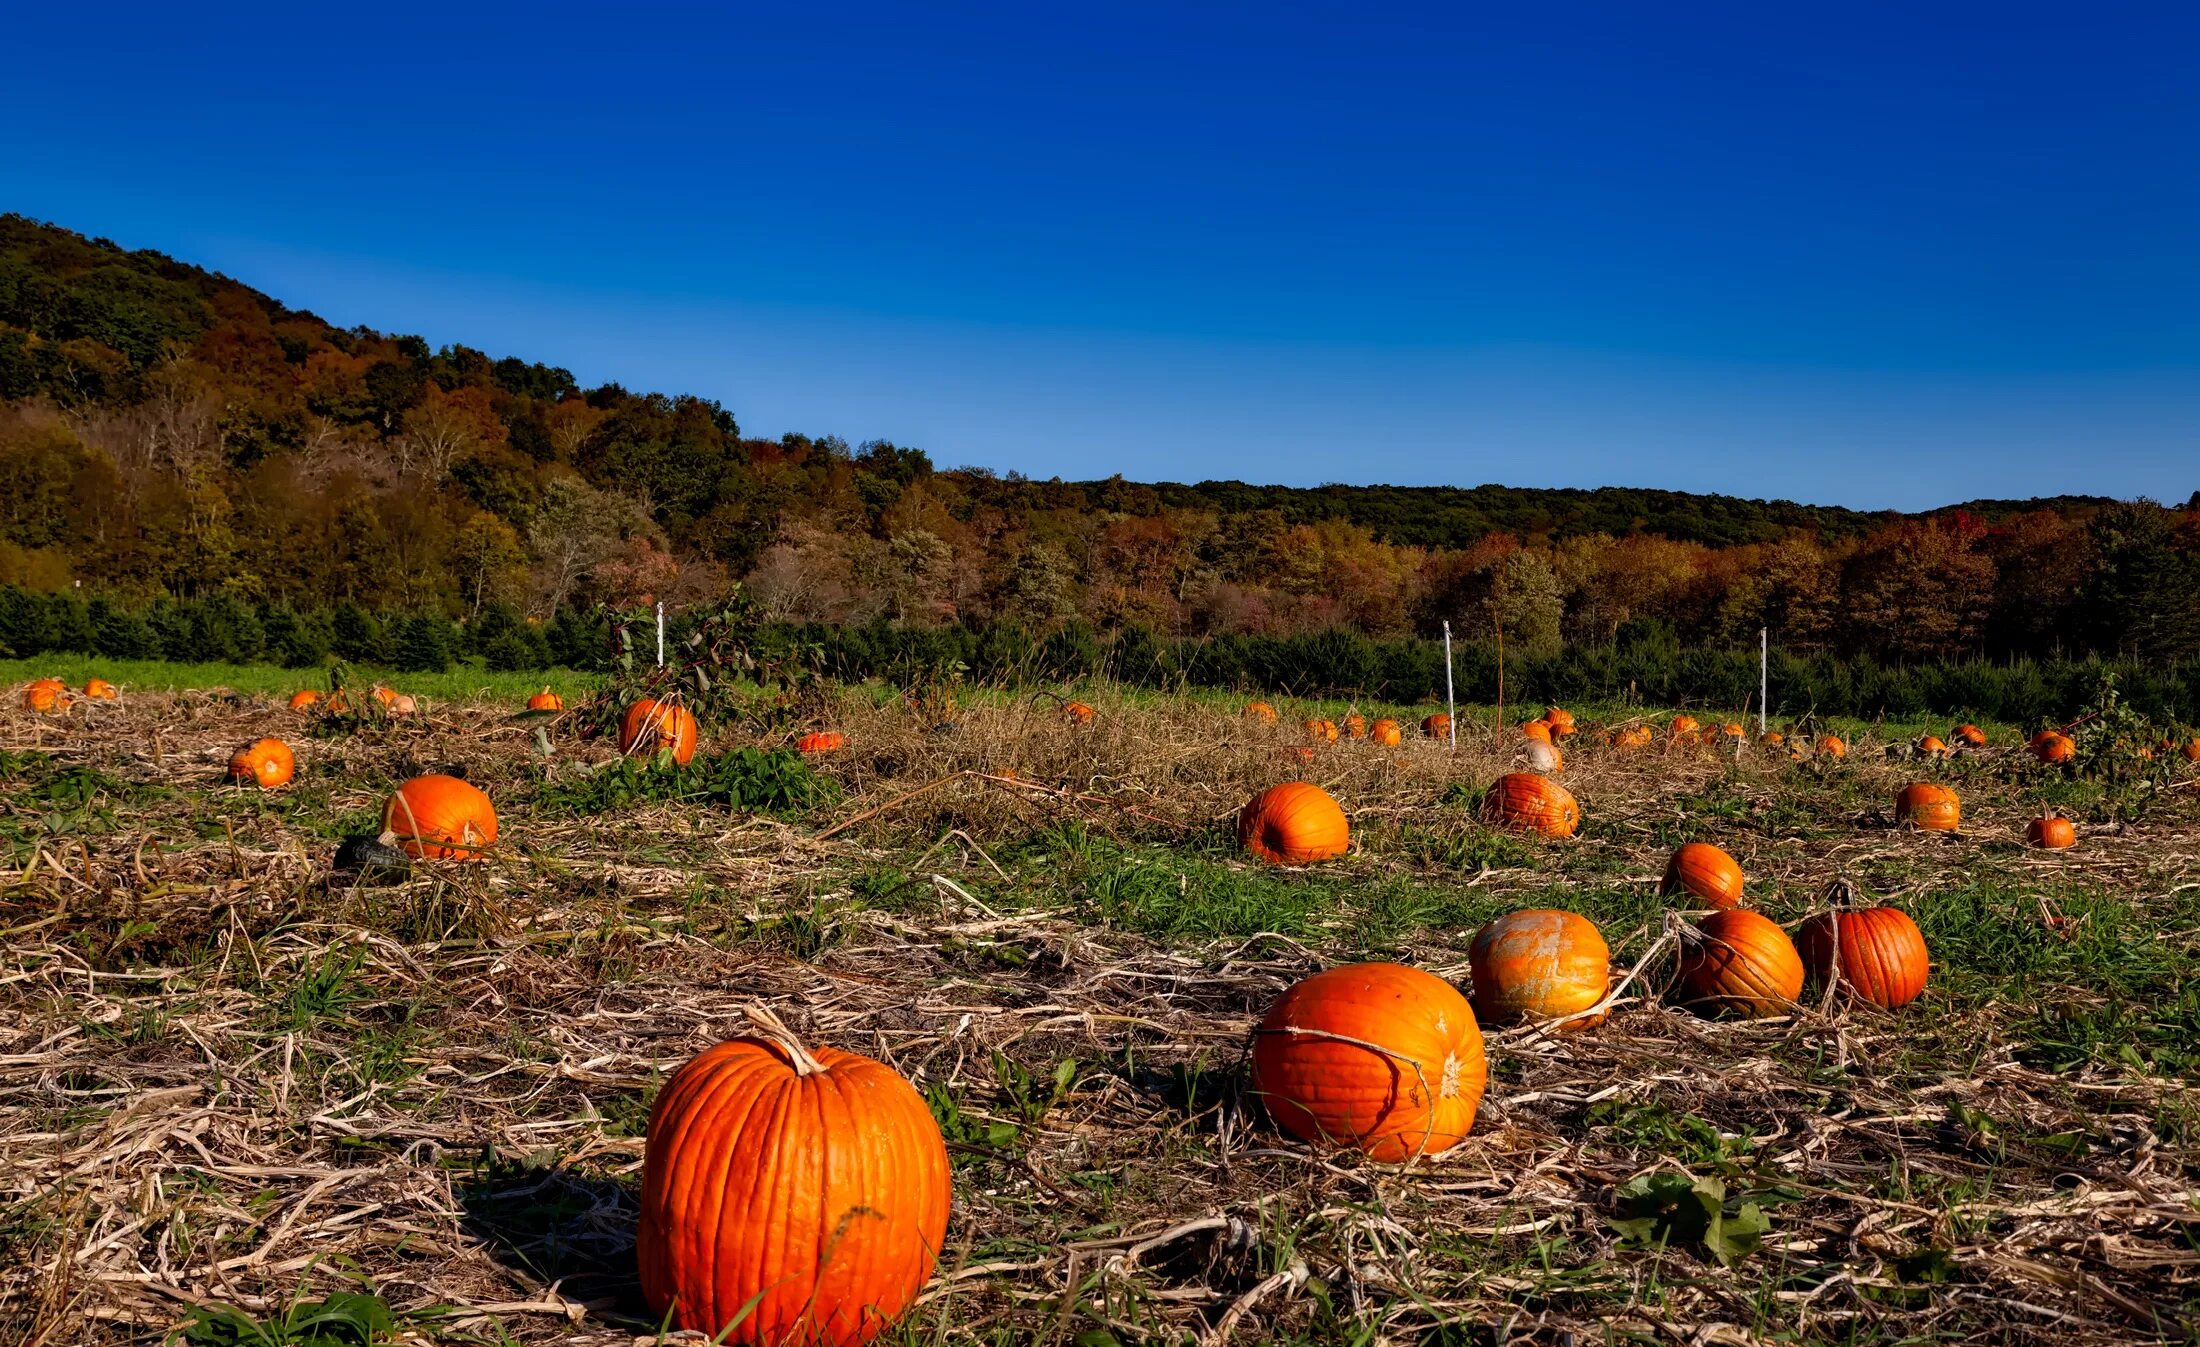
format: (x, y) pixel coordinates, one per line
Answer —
(1295, 823)
(1882, 954)
(266, 763)
(100, 690)
(821, 741)
(650, 725)
(1542, 963)
(45, 695)
(1831, 746)
(1559, 719)
(303, 699)
(1437, 726)
(1706, 871)
(1970, 736)
(1260, 711)
(1741, 961)
(441, 816)
(1526, 802)
(1928, 808)
(1415, 1096)
(2051, 746)
(546, 700)
(825, 1194)
(2052, 834)
(1386, 733)
(1321, 731)
(1685, 727)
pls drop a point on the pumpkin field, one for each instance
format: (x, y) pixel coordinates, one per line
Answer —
(1087, 1016)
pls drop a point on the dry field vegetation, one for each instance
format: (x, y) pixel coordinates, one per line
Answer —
(245, 1098)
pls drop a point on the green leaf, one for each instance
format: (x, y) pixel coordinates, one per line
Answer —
(1667, 1209)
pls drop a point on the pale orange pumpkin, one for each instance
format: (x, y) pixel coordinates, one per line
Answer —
(1260, 711)
(100, 690)
(1437, 726)
(2051, 833)
(1077, 713)
(441, 816)
(1928, 807)
(1705, 871)
(1968, 735)
(1543, 963)
(46, 696)
(266, 763)
(1296, 823)
(1733, 730)
(1878, 951)
(821, 741)
(1544, 756)
(1322, 731)
(1355, 726)
(1526, 802)
(1742, 961)
(1386, 733)
(402, 704)
(546, 700)
(650, 725)
(1831, 746)
(1685, 727)
(303, 699)
(1931, 746)
(1633, 736)
(790, 1197)
(2052, 746)
(1376, 1056)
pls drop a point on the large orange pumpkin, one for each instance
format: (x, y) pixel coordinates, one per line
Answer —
(1740, 960)
(1386, 733)
(303, 699)
(1296, 823)
(1538, 731)
(1559, 719)
(1261, 711)
(266, 763)
(1542, 963)
(1437, 726)
(1526, 802)
(546, 700)
(821, 741)
(1968, 735)
(789, 1196)
(45, 696)
(1929, 808)
(1685, 727)
(441, 816)
(100, 690)
(1831, 746)
(1378, 1056)
(2053, 746)
(650, 725)
(1706, 871)
(1879, 951)
(2051, 833)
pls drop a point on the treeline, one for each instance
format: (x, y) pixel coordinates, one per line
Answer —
(168, 434)
(1646, 665)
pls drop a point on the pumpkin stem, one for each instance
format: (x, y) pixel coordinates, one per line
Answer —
(771, 1027)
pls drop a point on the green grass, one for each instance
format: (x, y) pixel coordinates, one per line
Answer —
(466, 682)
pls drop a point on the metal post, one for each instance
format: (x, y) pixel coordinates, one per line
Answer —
(660, 635)
(1764, 676)
(1451, 702)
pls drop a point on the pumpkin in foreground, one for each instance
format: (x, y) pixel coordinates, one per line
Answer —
(789, 1195)
(1878, 951)
(440, 816)
(1542, 964)
(1928, 808)
(1376, 1056)
(2051, 832)
(1706, 871)
(1525, 802)
(650, 725)
(266, 763)
(1296, 823)
(1740, 961)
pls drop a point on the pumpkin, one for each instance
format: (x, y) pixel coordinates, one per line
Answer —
(1376, 1056)
(1685, 727)
(1322, 731)
(1545, 757)
(650, 724)
(1742, 961)
(267, 763)
(1705, 871)
(402, 704)
(2051, 833)
(1437, 726)
(100, 690)
(1355, 726)
(789, 1195)
(546, 700)
(2191, 750)
(1970, 736)
(1296, 823)
(1633, 736)
(46, 695)
(1386, 733)
(1733, 730)
(1773, 738)
(1077, 713)
(1298, 755)
(1932, 747)
(303, 699)
(1831, 746)
(821, 741)
(2053, 746)
(1543, 964)
(1525, 802)
(1538, 731)
(1929, 808)
(1559, 719)
(1261, 711)
(441, 816)
(1877, 953)
(385, 695)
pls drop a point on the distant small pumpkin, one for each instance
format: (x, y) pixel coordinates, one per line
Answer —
(100, 690)
(2051, 832)
(1831, 746)
(304, 699)
(1706, 872)
(1437, 726)
(821, 741)
(46, 696)
(2053, 746)
(1077, 713)
(266, 763)
(546, 700)
(1387, 733)
(1970, 736)
(1260, 711)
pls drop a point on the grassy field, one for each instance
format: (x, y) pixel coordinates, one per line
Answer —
(465, 683)
(234, 1081)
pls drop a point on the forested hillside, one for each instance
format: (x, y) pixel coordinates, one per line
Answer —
(165, 431)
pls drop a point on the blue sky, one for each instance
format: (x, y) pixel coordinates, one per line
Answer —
(1876, 255)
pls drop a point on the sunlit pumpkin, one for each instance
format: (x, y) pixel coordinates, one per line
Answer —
(1733, 730)
(1928, 807)
(1878, 951)
(2191, 750)
(1706, 872)
(441, 816)
(821, 741)
(1544, 964)
(1633, 736)
(1437, 726)
(2053, 746)
(1559, 719)
(1355, 726)
(1526, 802)
(1538, 731)
(1968, 735)
(546, 700)
(1386, 733)
(100, 690)
(1772, 739)
(46, 696)
(1931, 746)
(1831, 746)
(402, 704)
(1740, 961)
(1260, 711)
(650, 725)
(1544, 756)
(1376, 1056)
(266, 763)
(790, 1196)
(2051, 832)
(1685, 727)
(1296, 823)
(1077, 713)
(304, 699)
(1321, 731)
(387, 696)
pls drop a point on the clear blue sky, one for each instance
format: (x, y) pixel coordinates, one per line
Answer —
(1878, 255)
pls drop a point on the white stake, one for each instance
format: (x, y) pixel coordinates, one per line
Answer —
(1451, 703)
(1764, 676)
(660, 636)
